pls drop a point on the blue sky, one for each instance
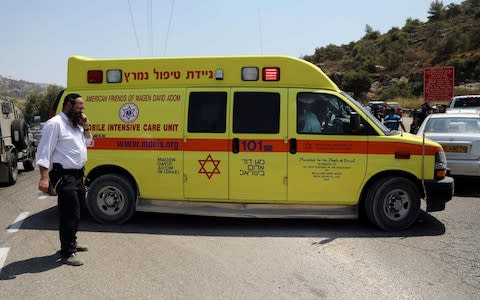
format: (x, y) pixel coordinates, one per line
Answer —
(39, 36)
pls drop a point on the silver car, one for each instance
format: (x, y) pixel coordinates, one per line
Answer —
(459, 134)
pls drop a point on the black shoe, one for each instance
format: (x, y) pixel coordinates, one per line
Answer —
(72, 260)
(81, 248)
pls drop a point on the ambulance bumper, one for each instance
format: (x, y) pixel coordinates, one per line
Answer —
(438, 192)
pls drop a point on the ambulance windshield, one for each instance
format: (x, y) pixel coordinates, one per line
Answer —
(367, 112)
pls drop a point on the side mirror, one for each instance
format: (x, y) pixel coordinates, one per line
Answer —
(6, 108)
(355, 124)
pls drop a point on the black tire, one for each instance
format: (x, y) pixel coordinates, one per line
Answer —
(393, 203)
(111, 199)
(19, 133)
(12, 169)
(29, 164)
(368, 206)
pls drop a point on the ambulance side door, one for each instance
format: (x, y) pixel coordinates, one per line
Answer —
(206, 144)
(258, 158)
(327, 161)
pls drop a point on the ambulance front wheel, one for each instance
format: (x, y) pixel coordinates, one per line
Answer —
(111, 199)
(393, 203)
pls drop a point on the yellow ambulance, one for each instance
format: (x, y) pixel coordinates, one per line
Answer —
(245, 136)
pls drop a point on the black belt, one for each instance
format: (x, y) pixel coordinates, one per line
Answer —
(58, 168)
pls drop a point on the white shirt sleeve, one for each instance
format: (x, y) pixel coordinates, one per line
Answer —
(47, 144)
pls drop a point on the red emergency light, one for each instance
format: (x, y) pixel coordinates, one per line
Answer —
(271, 74)
(95, 76)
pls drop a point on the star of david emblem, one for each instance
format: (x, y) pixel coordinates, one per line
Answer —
(128, 112)
(209, 166)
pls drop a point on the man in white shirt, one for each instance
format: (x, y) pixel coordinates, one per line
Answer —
(310, 120)
(61, 156)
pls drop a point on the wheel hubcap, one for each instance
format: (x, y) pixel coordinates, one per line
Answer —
(397, 204)
(110, 200)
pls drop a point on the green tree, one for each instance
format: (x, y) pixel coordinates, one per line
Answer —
(370, 34)
(364, 50)
(400, 89)
(356, 82)
(448, 45)
(40, 103)
(411, 25)
(471, 67)
(392, 59)
(330, 52)
(472, 7)
(459, 65)
(32, 106)
(48, 100)
(436, 11)
(369, 66)
(453, 10)
(474, 39)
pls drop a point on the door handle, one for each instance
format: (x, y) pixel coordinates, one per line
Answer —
(293, 146)
(235, 145)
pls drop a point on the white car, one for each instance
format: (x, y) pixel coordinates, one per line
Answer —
(459, 135)
(466, 101)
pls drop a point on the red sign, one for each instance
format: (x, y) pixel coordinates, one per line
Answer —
(438, 83)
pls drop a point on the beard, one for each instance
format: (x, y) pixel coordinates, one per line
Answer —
(74, 117)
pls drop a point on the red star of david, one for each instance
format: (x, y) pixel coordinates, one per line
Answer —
(213, 163)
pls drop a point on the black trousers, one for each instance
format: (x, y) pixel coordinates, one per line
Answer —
(71, 193)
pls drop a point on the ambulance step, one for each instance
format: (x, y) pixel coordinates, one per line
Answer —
(250, 210)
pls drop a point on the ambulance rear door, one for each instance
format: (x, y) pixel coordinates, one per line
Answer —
(206, 144)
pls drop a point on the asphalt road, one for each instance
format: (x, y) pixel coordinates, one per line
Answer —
(157, 256)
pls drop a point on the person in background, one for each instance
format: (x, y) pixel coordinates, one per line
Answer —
(310, 120)
(415, 122)
(61, 156)
(392, 120)
(377, 112)
(443, 108)
(425, 110)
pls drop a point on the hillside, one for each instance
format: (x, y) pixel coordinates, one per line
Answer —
(19, 89)
(451, 36)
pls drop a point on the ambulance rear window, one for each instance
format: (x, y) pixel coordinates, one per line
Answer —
(207, 112)
(256, 112)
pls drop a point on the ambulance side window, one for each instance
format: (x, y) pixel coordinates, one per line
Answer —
(324, 114)
(207, 112)
(256, 112)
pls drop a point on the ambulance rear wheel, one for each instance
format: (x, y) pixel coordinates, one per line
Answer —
(111, 199)
(393, 203)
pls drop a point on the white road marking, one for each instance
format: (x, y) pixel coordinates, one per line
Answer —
(18, 222)
(3, 257)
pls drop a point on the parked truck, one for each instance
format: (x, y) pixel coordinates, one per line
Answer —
(16, 144)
